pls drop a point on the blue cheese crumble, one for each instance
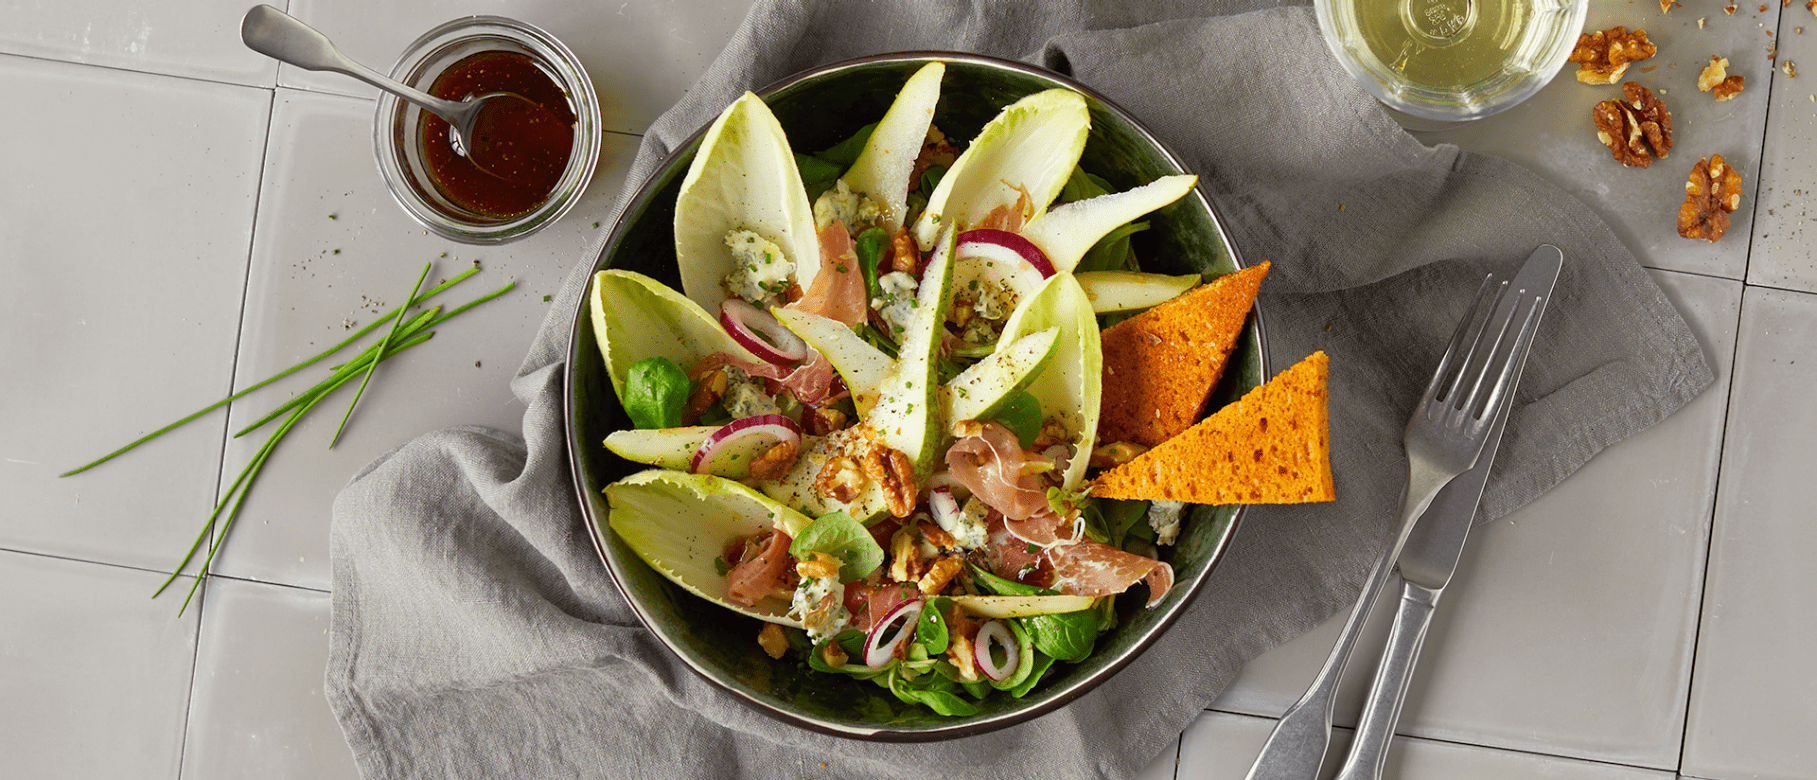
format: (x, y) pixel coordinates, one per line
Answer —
(744, 396)
(1164, 517)
(841, 204)
(971, 528)
(897, 304)
(819, 603)
(761, 273)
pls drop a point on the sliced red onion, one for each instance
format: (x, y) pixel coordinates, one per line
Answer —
(1004, 247)
(749, 436)
(944, 508)
(755, 330)
(881, 643)
(998, 632)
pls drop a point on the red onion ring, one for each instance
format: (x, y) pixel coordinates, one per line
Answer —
(877, 649)
(1003, 246)
(755, 330)
(746, 431)
(998, 631)
(944, 507)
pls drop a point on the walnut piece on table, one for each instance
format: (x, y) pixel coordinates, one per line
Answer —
(1635, 129)
(1715, 79)
(1711, 194)
(1603, 56)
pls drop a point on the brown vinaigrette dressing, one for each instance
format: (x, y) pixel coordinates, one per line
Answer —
(465, 184)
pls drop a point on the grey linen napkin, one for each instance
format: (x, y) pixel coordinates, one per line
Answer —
(475, 633)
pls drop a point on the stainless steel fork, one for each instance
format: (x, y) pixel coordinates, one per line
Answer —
(1444, 438)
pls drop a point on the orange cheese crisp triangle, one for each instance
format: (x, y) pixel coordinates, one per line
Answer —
(1160, 365)
(1273, 446)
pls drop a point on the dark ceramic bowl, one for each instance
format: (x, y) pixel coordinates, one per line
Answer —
(819, 108)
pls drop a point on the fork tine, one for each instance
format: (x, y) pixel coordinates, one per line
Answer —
(1467, 332)
(1499, 321)
(1504, 381)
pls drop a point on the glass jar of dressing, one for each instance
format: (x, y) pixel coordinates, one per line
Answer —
(427, 171)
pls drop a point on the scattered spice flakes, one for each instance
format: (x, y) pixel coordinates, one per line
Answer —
(1700, 22)
(1790, 68)
(1729, 9)
(1665, 6)
(545, 299)
(476, 364)
(1649, 69)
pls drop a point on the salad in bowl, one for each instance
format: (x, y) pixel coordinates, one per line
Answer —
(835, 396)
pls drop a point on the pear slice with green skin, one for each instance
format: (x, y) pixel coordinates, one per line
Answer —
(796, 488)
(1115, 291)
(863, 366)
(907, 413)
(1069, 230)
(669, 448)
(681, 523)
(882, 169)
(983, 389)
(636, 317)
(1021, 606)
(743, 178)
(1032, 144)
(1071, 388)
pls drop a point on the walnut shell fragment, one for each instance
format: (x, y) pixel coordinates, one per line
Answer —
(1635, 129)
(1603, 56)
(1711, 194)
(1716, 80)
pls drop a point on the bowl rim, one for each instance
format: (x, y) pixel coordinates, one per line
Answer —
(959, 727)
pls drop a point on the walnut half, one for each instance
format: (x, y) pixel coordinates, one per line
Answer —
(1711, 194)
(1603, 56)
(1635, 129)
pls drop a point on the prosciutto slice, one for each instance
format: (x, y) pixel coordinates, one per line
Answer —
(1088, 568)
(757, 575)
(990, 465)
(837, 291)
(812, 382)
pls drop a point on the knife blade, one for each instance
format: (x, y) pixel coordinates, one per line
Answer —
(1430, 556)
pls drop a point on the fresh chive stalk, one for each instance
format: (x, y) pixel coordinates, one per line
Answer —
(374, 365)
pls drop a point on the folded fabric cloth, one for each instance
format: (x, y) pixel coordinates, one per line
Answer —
(476, 634)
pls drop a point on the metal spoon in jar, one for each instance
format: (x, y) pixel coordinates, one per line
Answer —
(492, 129)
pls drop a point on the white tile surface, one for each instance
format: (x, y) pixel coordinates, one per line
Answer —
(258, 709)
(1751, 713)
(196, 38)
(331, 246)
(123, 249)
(1165, 764)
(1221, 746)
(94, 675)
(1785, 212)
(1552, 132)
(1569, 627)
(642, 56)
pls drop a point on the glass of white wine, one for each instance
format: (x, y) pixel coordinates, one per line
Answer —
(1451, 60)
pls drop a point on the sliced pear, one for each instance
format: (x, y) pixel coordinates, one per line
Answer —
(1021, 606)
(906, 417)
(1071, 387)
(1031, 146)
(680, 523)
(669, 448)
(981, 390)
(636, 317)
(863, 366)
(1068, 231)
(882, 170)
(796, 488)
(743, 178)
(1114, 291)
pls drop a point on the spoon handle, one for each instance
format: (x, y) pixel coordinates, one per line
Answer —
(282, 37)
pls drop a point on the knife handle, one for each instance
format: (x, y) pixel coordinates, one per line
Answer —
(1382, 708)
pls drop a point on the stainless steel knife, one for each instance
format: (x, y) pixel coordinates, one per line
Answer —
(1427, 562)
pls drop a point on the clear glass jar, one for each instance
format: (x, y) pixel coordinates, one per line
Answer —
(1451, 60)
(399, 128)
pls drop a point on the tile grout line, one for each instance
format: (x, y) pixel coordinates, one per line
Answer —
(1703, 590)
(227, 418)
(1766, 124)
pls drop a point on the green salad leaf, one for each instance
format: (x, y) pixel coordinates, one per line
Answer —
(838, 535)
(1022, 416)
(656, 393)
(933, 690)
(930, 631)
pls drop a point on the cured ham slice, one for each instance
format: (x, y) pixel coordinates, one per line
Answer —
(756, 576)
(1088, 568)
(812, 382)
(838, 290)
(990, 465)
